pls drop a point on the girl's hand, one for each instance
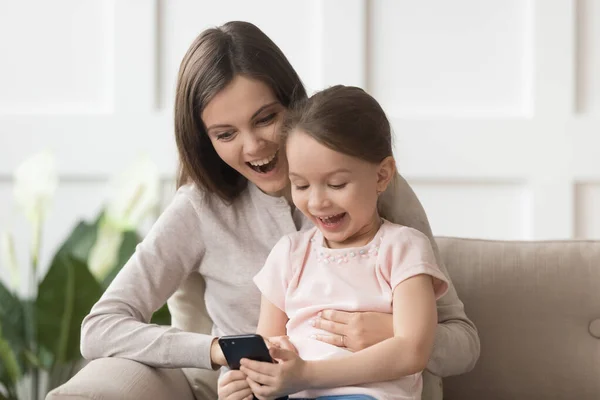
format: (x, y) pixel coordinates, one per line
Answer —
(233, 386)
(283, 342)
(269, 381)
(354, 330)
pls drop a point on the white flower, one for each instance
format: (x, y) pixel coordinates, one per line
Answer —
(104, 254)
(134, 194)
(36, 181)
(9, 259)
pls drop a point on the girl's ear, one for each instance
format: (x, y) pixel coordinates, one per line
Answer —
(385, 173)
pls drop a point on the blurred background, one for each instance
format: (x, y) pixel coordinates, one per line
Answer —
(495, 104)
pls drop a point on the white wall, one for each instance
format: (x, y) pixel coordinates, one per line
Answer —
(495, 103)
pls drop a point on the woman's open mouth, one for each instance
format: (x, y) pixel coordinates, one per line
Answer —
(266, 164)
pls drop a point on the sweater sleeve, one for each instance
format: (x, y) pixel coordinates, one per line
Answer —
(456, 347)
(118, 324)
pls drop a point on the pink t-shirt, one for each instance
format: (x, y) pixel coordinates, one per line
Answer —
(302, 278)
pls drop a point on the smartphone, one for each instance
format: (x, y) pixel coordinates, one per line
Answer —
(236, 347)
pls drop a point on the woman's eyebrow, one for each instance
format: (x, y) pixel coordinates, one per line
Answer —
(263, 108)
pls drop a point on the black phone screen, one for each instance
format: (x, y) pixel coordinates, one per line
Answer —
(236, 347)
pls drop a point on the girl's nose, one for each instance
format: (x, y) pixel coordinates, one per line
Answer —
(317, 200)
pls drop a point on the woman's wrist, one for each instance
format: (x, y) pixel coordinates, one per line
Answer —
(217, 359)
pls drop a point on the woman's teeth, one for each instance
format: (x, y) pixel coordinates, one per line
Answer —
(264, 165)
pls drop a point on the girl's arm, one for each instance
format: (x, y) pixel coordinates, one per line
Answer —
(457, 344)
(272, 320)
(415, 320)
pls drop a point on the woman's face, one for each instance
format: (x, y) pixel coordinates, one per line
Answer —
(243, 122)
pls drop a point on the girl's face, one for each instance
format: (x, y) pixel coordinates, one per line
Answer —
(243, 123)
(336, 191)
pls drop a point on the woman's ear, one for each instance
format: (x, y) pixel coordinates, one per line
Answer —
(385, 173)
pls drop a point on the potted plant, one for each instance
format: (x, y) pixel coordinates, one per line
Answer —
(40, 330)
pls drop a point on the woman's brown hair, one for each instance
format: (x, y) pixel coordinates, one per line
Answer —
(210, 64)
(345, 119)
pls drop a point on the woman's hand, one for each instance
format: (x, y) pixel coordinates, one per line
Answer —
(354, 330)
(269, 381)
(234, 386)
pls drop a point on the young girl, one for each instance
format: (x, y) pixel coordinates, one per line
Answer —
(340, 160)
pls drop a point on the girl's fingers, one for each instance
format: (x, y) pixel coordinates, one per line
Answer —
(242, 394)
(257, 377)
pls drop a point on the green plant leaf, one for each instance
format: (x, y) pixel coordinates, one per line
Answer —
(12, 323)
(65, 297)
(10, 371)
(130, 241)
(80, 241)
(162, 316)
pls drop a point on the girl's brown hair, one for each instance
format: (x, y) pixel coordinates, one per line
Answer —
(345, 119)
(210, 64)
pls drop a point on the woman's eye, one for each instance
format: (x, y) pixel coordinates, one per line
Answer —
(266, 120)
(225, 136)
(340, 186)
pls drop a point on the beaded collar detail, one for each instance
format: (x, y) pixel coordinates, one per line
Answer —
(326, 255)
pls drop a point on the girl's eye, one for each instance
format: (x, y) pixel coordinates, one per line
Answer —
(225, 136)
(301, 187)
(266, 120)
(340, 186)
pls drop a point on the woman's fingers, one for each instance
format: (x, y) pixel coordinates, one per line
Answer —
(341, 317)
(337, 328)
(336, 340)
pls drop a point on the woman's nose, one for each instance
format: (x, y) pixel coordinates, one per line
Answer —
(253, 143)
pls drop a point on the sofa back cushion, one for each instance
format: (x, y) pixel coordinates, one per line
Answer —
(533, 303)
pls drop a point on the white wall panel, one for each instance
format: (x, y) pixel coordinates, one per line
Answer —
(475, 209)
(56, 56)
(588, 210)
(459, 58)
(588, 56)
(288, 23)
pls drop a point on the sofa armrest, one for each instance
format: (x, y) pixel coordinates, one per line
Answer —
(118, 378)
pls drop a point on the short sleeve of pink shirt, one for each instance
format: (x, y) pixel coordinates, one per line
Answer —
(275, 276)
(408, 253)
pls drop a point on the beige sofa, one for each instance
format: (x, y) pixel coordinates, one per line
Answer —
(536, 305)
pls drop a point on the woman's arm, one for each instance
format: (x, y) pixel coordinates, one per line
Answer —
(456, 346)
(118, 324)
(415, 320)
